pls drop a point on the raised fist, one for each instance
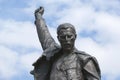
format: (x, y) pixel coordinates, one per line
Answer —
(39, 12)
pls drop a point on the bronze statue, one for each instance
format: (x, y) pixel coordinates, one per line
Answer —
(63, 62)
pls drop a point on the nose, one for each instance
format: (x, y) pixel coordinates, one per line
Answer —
(67, 38)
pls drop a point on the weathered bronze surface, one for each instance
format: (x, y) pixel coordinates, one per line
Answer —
(64, 61)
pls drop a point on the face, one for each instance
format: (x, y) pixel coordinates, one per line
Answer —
(67, 39)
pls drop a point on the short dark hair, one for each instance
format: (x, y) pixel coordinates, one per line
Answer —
(66, 26)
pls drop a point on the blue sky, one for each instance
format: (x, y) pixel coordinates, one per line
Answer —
(97, 23)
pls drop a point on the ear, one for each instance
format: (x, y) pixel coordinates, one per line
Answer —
(75, 36)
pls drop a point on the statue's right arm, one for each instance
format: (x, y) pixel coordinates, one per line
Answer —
(44, 35)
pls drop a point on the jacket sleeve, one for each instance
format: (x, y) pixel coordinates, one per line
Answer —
(91, 69)
(44, 35)
(41, 69)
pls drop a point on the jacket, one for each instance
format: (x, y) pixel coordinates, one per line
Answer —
(42, 66)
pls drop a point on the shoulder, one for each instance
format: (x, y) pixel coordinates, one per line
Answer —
(83, 55)
(90, 64)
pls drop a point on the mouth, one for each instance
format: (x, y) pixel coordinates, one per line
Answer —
(67, 45)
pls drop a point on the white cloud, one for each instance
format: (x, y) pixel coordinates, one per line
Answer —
(107, 23)
(13, 34)
(8, 61)
(28, 59)
(13, 63)
(18, 33)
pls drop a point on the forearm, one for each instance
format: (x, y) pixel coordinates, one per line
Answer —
(43, 33)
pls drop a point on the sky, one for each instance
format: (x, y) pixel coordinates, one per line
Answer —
(98, 33)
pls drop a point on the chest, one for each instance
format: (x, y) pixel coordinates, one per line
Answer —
(66, 67)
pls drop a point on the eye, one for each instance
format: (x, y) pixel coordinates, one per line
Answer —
(69, 36)
(62, 37)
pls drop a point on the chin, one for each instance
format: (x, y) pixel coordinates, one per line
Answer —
(68, 49)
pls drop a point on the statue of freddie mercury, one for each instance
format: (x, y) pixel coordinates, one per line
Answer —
(64, 61)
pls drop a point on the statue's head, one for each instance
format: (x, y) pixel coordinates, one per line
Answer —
(66, 36)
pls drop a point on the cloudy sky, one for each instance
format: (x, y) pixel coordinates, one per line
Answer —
(97, 23)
